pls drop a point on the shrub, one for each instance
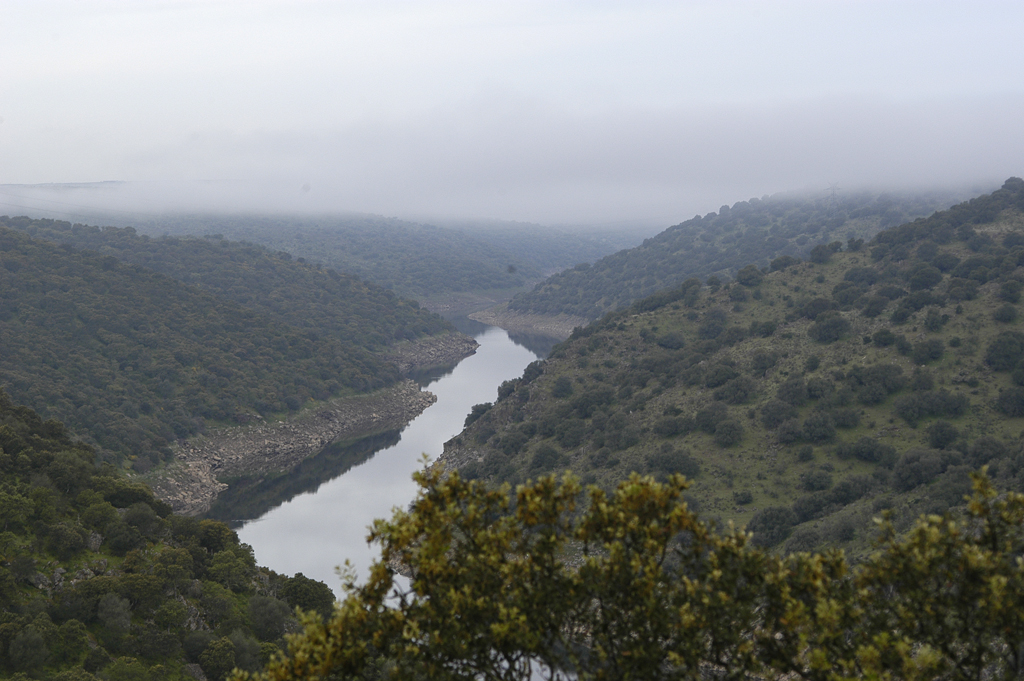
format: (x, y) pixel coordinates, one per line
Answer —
(749, 276)
(775, 412)
(883, 338)
(736, 391)
(793, 391)
(1005, 351)
(819, 427)
(927, 351)
(562, 387)
(828, 327)
(942, 434)
(917, 467)
(1005, 314)
(771, 525)
(728, 433)
(707, 419)
(815, 481)
(867, 449)
(673, 461)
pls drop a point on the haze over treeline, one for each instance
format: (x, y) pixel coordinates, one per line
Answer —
(558, 114)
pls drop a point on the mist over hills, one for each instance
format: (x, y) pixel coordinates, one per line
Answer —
(749, 232)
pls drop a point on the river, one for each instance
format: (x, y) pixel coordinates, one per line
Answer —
(317, 530)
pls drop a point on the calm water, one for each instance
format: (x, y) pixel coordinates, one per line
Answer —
(316, 531)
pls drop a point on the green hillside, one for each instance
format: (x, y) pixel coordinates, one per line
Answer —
(803, 398)
(98, 579)
(415, 260)
(131, 359)
(750, 232)
(314, 300)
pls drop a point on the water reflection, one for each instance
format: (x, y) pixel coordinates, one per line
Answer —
(316, 531)
(249, 498)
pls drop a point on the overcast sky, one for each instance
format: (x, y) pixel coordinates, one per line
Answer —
(553, 112)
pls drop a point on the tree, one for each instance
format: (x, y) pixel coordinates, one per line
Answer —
(656, 594)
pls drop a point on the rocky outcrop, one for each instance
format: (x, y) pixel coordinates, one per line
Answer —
(556, 326)
(433, 351)
(201, 464)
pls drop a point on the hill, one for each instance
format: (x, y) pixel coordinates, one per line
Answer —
(315, 300)
(132, 359)
(750, 232)
(432, 264)
(97, 577)
(803, 398)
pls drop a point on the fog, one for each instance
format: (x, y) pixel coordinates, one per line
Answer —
(557, 113)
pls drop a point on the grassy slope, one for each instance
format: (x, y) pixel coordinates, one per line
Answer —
(750, 232)
(635, 394)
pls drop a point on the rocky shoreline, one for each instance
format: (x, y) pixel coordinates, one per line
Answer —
(446, 349)
(556, 326)
(192, 482)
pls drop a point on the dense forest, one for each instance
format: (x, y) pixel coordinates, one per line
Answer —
(751, 232)
(803, 398)
(418, 261)
(98, 579)
(315, 300)
(132, 359)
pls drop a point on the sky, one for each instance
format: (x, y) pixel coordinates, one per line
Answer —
(595, 113)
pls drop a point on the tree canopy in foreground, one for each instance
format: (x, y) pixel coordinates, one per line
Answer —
(633, 585)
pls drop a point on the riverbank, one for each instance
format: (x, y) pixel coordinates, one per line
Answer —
(425, 353)
(555, 326)
(191, 483)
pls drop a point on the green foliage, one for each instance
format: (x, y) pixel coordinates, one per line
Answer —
(751, 234)
(133, 360)
(99, 577)
(659, 595)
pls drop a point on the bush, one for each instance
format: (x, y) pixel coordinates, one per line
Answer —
(562, 387)
(736, 391)
(917, 467)
(1005, 351)
(828, 327)
(815, 481)
(819, 427)
(749, 276)
(793, 391)
(728, 433)
(707, 419)
(942, 434)
(883, 338)
(927, 403)
(1005, 313)
(927, 351)
(771, 525)
(546, 458)
(1011, 402)
(673, 461)
(868, 449)
(775, 412)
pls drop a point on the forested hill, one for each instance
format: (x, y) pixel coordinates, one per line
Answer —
(750, 232)
(131, 359)
(99, 580)
(317, 301)
(415, 260)
(803, 398)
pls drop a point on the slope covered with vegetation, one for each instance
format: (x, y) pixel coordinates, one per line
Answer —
(802, 398)
(750, 232)
(132, 360)
(496, 593)
(98, 579)
(310, 298)
(415, 260)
